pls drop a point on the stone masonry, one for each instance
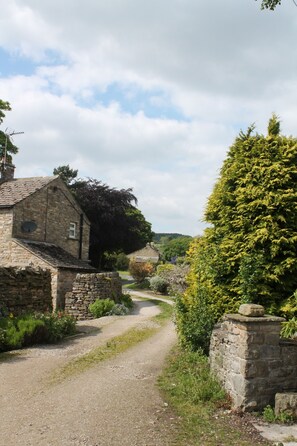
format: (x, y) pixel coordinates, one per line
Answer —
(89, 287)
(25, 290)
(251, 361)
(52, 208)
(47, 203)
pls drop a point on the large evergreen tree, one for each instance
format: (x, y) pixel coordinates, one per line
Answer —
(249, 252)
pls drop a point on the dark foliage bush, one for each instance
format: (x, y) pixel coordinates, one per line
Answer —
(126, 300)
(30, 329)
(158, 284)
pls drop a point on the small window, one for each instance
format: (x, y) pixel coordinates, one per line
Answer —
(28, 226)
(72, 230)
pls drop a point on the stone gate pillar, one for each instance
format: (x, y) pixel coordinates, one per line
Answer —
(247, 357)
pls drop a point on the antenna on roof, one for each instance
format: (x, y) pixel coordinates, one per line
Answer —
(8, 137)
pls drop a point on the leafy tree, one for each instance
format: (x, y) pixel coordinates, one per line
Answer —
(138, 231)
(4, 105)
(176, 247)
(5, 141)
(249, 253)
(67, 174)
(271, 4)
(116, 224)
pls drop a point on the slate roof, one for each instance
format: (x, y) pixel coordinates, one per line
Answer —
(13, 191)
(54, 255)
(147, 253)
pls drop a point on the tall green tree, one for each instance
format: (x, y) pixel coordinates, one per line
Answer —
(6, 145)
(249, 252)
(4, 106)
(176, 247)
(272, 4)
(67, 174)
(116, 223)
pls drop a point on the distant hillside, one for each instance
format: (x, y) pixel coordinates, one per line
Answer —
(160, 237)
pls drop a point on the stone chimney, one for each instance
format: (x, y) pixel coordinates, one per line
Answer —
(6, 171)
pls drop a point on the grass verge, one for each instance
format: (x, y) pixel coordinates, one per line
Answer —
(116, 345)
(200, 404)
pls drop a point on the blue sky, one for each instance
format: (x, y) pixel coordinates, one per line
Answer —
(147, 95)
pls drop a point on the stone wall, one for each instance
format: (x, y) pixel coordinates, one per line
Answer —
(251, 360)
(89, 287)
(23, 290)
(65, 279)
(14, 255)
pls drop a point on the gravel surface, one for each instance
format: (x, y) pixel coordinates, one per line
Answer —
(115, 402)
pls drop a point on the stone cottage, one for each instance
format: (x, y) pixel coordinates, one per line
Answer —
(42, 225)
(147, 254)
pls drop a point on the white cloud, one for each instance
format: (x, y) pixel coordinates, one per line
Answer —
(219, 65)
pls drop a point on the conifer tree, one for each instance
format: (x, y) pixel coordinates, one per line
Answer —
(249, 252)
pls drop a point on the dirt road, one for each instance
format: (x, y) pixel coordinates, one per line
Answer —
(113, 403)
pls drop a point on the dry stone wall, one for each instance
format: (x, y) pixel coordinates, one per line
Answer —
(24, 290)
(252, 362)
(89, 287)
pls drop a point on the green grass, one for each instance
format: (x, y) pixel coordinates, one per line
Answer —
(166, 311)
(199, 402)
(115, 346)
(124, 273)
(138, 286)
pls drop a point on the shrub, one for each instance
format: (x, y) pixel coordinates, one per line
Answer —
(122, 262)
(248, 253)
(119, 310)
(30, 329)
(194, 324)
(164, 268)
(3, 342)
(285, 417)
(101, 307)
(20, 331)
(140, 270)
(126, 300)
(289, 329)
(58, 325)
(158, 284)
(113, 261)
(175, 276)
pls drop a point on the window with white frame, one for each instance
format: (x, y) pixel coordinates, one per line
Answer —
(72, 230)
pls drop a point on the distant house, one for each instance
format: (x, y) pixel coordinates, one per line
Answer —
(147, 254)
(42, 225)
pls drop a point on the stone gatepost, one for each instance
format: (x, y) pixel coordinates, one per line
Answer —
(246, 356)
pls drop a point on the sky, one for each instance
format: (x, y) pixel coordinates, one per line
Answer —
(145, 95)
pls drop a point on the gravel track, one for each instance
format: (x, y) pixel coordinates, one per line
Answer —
(115, 402)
